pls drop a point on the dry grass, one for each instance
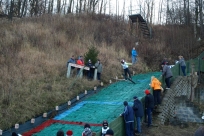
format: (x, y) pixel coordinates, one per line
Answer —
(34, 52)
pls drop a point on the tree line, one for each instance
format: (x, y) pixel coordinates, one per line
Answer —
(181, 12)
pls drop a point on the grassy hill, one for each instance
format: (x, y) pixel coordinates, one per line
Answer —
(34, 52)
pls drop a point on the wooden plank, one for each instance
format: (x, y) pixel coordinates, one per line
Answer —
(79, 66)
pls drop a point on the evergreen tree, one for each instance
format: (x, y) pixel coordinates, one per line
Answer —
(92, 54)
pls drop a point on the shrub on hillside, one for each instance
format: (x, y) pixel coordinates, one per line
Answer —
(92, 54)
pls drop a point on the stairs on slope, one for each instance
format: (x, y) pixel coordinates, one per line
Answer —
(143, 25)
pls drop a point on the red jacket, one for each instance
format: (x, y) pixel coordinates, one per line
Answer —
(80, 62)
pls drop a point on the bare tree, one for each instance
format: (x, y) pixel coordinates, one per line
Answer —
(101, 7)
(123, 10)
(160, 11)
(201, 17)
(69, 7)
(151, 12)
(11, 9)
(104, 6)
(80, 6)
(23, 8)
(45, 6)
(58, 6)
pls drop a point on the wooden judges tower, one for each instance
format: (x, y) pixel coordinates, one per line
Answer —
(139, 27)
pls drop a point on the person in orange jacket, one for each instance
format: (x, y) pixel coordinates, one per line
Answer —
(80, 61)
(156, 86)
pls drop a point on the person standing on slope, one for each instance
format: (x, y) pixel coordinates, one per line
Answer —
(134, 56)
(125, 68)
(167, 74)
(182, 64)
(128, 115)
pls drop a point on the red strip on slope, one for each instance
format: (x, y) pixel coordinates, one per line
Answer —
(51, 121)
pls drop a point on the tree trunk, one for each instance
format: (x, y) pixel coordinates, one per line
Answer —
(201, 18)
(70, 7)
(77, 7)
(104, 6)
(36, 7)
(11, 10)
(101, 7)
(151, 14)
(184, 9)
(19, 8)
(45, 7)
(84, 8)
(196, 18)
(80, 6)
(23, 8)
(51, 8)
(58, 6)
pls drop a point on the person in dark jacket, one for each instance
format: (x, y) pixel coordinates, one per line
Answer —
(167, 74)
(90, 72)
(71, 60)
(199, 131)
(109, 132)
(128, 116)
(139, 112)
(149, 105)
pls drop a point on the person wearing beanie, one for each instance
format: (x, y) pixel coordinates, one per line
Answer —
(128, 115)
(90, 72)
(109, 132)
(126, 69)
(87, 130)
(167, 74)
(104, 128)
(60, 133)
(69, 133)
(139, 112)
(149, 105)
(199, 131)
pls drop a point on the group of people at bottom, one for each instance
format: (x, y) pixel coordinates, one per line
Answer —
(129, 113)
(136, 111)
(105, 130)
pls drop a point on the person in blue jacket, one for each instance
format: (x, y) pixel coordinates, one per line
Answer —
(182, 64)
(134, 56)
(139, 112)
(71, 60)
(128, 115)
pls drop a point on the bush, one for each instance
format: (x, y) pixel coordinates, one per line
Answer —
(92, 54)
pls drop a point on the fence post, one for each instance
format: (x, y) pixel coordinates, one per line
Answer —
(81, 73)
(179, 69)
(199, 70)
(68, 71)
(95, 74)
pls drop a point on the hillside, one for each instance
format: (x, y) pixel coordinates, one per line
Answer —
(34, 53)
